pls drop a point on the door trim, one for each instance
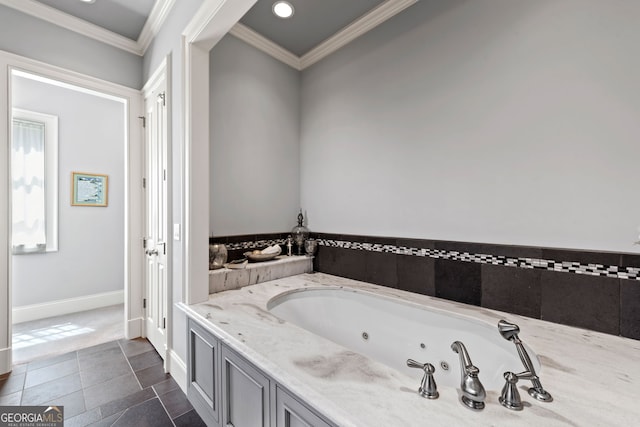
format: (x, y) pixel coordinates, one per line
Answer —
(133, 261)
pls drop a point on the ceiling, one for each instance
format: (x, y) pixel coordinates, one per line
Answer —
(124, 17)
(297, 41)
(313, 21)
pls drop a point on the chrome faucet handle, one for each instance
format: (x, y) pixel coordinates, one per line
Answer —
(509, 331)
(473, 392)
(428, 387)
(510, 397)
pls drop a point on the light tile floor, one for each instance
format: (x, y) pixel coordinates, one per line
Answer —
(63, 334)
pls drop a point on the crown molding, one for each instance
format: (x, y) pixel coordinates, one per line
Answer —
(262, 43)
(360, 26)
(46, 13)
(156, 18)
(54, 16)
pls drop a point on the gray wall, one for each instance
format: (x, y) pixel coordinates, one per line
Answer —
(28, 36)
(492, 121)
(255, 156)
(90, 258)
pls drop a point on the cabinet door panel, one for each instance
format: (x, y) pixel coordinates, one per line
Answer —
(292, 413)
(245, 393)
(203, 374)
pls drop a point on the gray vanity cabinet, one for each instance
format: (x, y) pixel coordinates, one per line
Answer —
(203, 376)
(245, 393)
(228, 391)
(290, 412)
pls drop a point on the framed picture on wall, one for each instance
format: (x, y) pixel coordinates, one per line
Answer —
(89, 189)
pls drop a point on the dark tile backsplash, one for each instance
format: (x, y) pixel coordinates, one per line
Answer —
(599, 291)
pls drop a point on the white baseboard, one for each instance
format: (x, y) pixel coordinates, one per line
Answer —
(133, 328)
(178, 370)
(5, 360)
(66, 306)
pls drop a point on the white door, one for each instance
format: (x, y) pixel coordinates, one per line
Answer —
(156, 298)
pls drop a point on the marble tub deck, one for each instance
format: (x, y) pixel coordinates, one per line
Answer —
(593, 377)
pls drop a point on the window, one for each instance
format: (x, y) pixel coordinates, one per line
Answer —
(34, 180)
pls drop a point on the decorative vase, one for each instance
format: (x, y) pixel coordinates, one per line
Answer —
(217, 256)
(300, 233)
(310, 246)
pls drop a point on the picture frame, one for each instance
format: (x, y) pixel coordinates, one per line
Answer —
(89, 189)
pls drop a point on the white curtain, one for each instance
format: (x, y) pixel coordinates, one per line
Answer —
(27, 174)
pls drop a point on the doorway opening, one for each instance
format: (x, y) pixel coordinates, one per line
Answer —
(97, 261)
(66, 258)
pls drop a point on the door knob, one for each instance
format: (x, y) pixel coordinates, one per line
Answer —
(152, 252)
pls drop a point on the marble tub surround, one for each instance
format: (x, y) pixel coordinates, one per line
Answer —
(592, 376)
(226, 279)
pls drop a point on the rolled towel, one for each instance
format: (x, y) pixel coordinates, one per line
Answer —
(275, 249)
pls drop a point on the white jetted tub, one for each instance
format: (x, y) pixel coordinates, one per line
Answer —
(392, 330)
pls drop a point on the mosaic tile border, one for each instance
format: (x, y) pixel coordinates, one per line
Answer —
(600, 270)
(532, 263)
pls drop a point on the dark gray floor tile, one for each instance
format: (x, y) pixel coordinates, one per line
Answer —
(380, 268)
(83, 419)
(108, 421)
(108, 391)
(51, 390)
(88, 361)
(147, 414)
(581, 300)
(12, 383)
(630, 308)
(165, 386)
(135, 346)
(41, 363)
(176, 403)
(151, 376)
(145, 360)
(120, 405)
(511, 289)
(416, 274)
(458, 281)
(97, 348)
(190, 419)
(73, 403)
(51, 372)
(98, 371)
(12, 399)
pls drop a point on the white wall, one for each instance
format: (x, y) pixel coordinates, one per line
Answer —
(30, 37)
(489, 120)
(254, 127)
(90, 259)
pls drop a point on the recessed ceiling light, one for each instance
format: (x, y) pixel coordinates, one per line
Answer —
(283, 9)
(88, 1)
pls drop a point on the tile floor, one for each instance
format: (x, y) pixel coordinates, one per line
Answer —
(52, 336)
(119, 383)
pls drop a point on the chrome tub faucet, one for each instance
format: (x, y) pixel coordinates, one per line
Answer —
(509, 331)
(473, 393)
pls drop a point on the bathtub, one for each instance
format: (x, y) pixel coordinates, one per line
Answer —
(391, 330)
